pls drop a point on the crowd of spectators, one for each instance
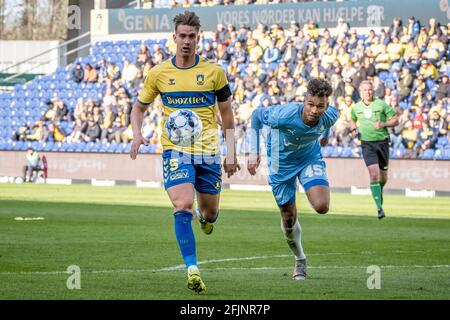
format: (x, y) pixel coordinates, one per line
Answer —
(407, 62)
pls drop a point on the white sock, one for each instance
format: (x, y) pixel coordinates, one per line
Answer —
(193, 268)
(293, 239)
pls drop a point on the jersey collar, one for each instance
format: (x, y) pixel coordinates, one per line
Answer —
(197, 59)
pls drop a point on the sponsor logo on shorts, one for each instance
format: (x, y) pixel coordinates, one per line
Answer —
(217, 185)
(180, 174)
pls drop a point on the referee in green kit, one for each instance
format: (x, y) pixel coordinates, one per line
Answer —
(373, 117)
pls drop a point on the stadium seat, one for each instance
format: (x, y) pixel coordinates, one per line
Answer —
(439, 154)
(442, 142)
(446, 154)
(336, 152)
(428, 154)
(347, 152)
(397, 152)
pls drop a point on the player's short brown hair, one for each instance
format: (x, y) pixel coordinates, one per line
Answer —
(188, 18)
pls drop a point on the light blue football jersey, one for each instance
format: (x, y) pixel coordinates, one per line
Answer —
(291, 144)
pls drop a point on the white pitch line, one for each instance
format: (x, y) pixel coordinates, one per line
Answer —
(225, 269)
(328, 267)
(182, 266)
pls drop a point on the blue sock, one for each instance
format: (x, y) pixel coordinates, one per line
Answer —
(185, 237)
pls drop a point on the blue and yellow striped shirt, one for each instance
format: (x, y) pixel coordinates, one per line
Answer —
(188, 88)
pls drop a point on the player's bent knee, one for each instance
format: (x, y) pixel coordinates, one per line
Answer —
(182, 206)
(210, 215)
(321, 208)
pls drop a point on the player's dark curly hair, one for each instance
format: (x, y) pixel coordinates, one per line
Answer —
(188, 18)
(319, 88)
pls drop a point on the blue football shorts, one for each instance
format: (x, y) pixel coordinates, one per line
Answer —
(311, 175)
(204, 172)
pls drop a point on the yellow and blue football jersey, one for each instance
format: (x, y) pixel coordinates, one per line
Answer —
(191, 88)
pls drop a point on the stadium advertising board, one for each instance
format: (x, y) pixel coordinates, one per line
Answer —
(360, 14)
(414, 174)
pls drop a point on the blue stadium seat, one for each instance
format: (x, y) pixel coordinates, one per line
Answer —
(327, 151)
(112, 147)
(442, 142)
(397, 152)
(447, 154)
(3, 145)
(347, 152)
(336, 151)
(428, 154)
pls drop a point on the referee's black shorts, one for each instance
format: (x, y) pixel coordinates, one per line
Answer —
(376, 152)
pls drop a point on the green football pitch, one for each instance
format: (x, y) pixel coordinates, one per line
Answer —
(122, 240)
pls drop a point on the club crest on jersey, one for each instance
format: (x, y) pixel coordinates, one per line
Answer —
(200, 79)
(171, 82)
(367, 113)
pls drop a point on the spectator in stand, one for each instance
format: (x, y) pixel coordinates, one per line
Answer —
(435, 51)
(395, 29)
(342, 28)
(142, 59)
(21, 133)
(418, 91)
(97, 116)
(129, 72)
(159, 55)
(90, 74)
(78, 73)
(424, 139)
(221, 34)
(404, 83)
(208, 52)
(136, 84)
(395, 50)
(413, 28)
(383, 61)
(443, 89)
(109, 98)
(102, 70)
(271, 56)
(223, 57)
(114, 132)
(91, 131)
(75, 135)
(39, 132)
(409, 136)
(143, 49)
(438, 126)
(434, 28)
(429, 73)
(113, 71)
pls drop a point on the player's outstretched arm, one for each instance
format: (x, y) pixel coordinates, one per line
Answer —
(230, 165)
(324, 138)
(137, 117)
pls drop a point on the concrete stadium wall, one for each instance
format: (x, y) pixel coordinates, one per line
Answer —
(342, 173)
